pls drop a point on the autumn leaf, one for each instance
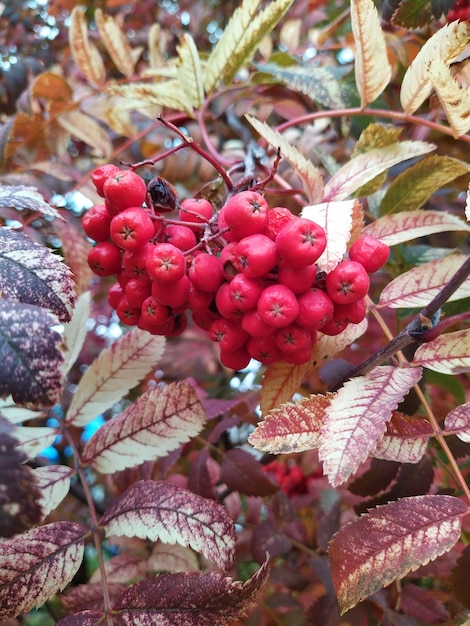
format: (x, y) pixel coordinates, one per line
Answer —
(82, 618)
(390, 541)
(160, 510)
(371, 66)
(37, 565)
(356, 418)
(457, 422)
(168, 94)
(32, 274)
(448, 354)
(32, 440)
(76, 330)
(158, 422)
(241, 472)
(190, 71)
(116, 43)
(88, 130)
(84, 52)
(54, 483)
(460, 578)
(454, 99)
(21, 197)
(405, 439)
(117, 369)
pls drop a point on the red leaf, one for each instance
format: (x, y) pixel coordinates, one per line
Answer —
(458, 422)
(390, 541)
(460, 578)
(423, 605)
(405, 439)
(241, 472)
(85, 618)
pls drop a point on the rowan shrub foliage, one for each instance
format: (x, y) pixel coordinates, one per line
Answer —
(234, 308)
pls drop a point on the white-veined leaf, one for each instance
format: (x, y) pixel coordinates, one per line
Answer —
(446, 44)
(85, 53)
(457, 422)
(54, 483)
(160, 510)
(448, 354)
(116, 43)
(405, 440)
(356, 418)
(400, 227)
(75, 331)
(34, 439)
(38, 564)
(117, 369)
(390, 541)
(336, 219)
(366, 166)
(190, 71)
(306, 171)
(158, 422)
(371, 66)
(418, 286)
(454, 99)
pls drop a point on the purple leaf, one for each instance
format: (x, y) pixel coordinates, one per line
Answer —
(29, 354)
(423, 605)
(84, 618)
(89, 597)
(158, 510)
(460, 578)
(390, 541)
(37, 565)
(241, 472)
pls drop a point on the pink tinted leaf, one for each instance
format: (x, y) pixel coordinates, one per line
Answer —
(292, 427)
(172, 558)
(458, 422)
(158, 510)
(37, 565)
(200, 479)
(54, 482)
(31, 273)
(423, 605)
(390, 541)
(357, 416)
(189, 599)
(89, 596)
(418, 286)
(158, 422)
(241, 472)
(84, 618)
(448, 354)
(405, 439)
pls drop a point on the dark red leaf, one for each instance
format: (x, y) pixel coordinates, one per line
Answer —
(241, 472)
(85, 618)
(89, 597)
(460, 578)
(268, 539)
(377, 478)
(199, 477)
(423, 605)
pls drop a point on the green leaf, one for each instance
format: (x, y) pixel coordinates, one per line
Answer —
(413, 187)
(412, 13)
(376, 136)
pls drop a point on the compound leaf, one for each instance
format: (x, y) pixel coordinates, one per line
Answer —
(356, 418)
(117, 369)
(448, 354)
(158, 422)
(37, 565)
(84, 53)
(168, 94)
(160, 510)
(391, 541)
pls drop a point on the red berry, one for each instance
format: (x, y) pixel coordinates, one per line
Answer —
(165, 263)
(254, 325)
(246, 213)
(127, 314)
(351, 313)
(257, 255)
(124, 189)
(245, 292)
(195, 211)
(180, 236)
(263, 349)
(205, 272)
(157, 329)
(278, 217)
(137, 290)
(333, 327)
(174, 293)
(105, 259)
(301, 242)
(135, 262)
(161, 196)
(228, 333)
(229, 260)
(199, 300)
(114, 295)
(236, 360)
(179, 326)
(293, 338)
(204, 319)
(315, 309)
(299, 357)
(226, 231)
(348, 282)
(224, 303)
(278, 306)
(131, 229)
(152, 312)
(101, 174)
(371, 253)
(96, 222)
(299, 279)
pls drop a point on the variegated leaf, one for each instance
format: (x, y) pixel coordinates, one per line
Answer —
(281, 380)
(391, 541)
(305, 170)
(364, 167)
(160, 510)
(54, 482)
(117, 369)
(88, 130)
(82, 618)
(34, 439)
(84, 52)
(292, 427)
(75, 331)
(448, 354)
(458, 422)
(401, 227)
(336, 219)
(116, 43)
(22, 197)
(418, 286)
(190, 71)
(454, 99)
(37, 565)
(446, 44)
(356, 418)
(158, 422)
(371, 66)
(15, 414)
(405, 440)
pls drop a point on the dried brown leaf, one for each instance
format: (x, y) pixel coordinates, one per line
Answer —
(84, 53)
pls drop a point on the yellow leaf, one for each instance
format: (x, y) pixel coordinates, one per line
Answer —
(189, 71)
(116, 43)
(454, 99)
(87, 130)
(84, 53)
(446, 44)
(371, 66)
(448, 354)
(168, 94)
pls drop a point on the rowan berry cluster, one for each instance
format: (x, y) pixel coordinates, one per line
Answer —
(291, 477)
(246, 273)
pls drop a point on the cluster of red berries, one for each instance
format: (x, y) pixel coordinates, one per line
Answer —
(460, 11)
(247, 273)
(291, 477)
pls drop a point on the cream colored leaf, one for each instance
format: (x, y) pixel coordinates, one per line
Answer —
(454, 99)
(446, 44)
(405, 440)
(84, 53)
(116, 43)
(14, 413)
(400, 227)
(75, 331)
(418, 286)
(54, 483)
(356, 418)
(172, 558)
(168, 94)
(364, 167)
(154, 40)
(448, 354)
(371, 66)
(86, 129)
(158, 422)
(117, 369)
(190, 71)
(336, 219)
(306, 171)
(34, 439)
(458, 422)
